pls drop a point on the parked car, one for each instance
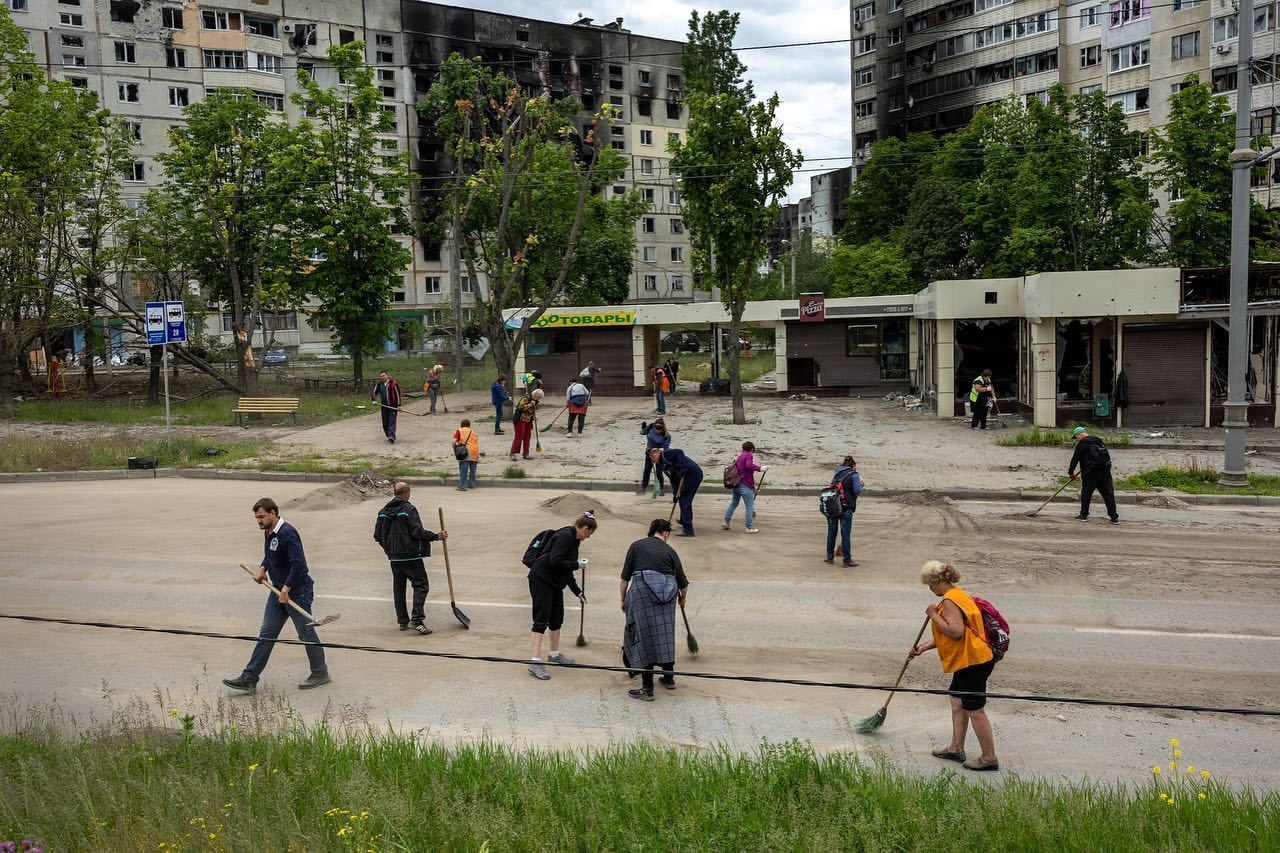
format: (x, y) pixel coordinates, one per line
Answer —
(681, 342)
(275, 357)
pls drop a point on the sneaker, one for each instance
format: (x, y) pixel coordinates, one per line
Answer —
(514, 457)
(752, 530)
(538, 671)
(1115, 519)
(829, 560)
(404, 626)
(420, 628)
(241, 683)
(669, 683)
(641, 694)
(562, 658)
(849, 564)
(686, 533)
(1082, 517)
(724, 525)
(313, 681)
(462, 488)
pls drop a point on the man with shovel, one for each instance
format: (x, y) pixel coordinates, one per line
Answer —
(284, 562)
(406, 542)
(387, 393)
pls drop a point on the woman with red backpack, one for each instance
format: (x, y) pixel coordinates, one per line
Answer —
(960, 636)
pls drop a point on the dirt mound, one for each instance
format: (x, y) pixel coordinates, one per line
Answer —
(922, 498)
(355, 489)
(1166, 502)
(576, 503)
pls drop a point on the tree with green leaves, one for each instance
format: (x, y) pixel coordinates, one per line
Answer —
(234, 176)
(351, 206)
(872, 268)
(874, 209)
(733, 166)
(523, 196)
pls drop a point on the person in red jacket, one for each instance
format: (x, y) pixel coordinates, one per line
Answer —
(387, 393)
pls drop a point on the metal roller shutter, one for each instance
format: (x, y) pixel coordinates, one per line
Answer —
(1165, 368)
(610, 349)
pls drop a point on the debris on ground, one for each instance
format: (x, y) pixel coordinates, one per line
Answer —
(576, 503)
(355, 489)
(802, 397)
(928, 497)
(1166, 502)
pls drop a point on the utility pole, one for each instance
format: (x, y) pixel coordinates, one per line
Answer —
(793, 266)
(1235, 418)
(455, 287)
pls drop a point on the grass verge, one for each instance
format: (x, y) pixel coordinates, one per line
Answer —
(1196, 480)
(281, 787)
(1038, 437)
(211, 410)
(696, 367)
(28, 453)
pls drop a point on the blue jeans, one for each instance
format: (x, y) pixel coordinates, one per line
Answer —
(662, 402)
(466, 473)
(746, 494)
(497, 418)
(846, 527)
(273, 618)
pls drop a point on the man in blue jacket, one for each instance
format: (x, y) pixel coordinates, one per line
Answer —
(655, 436)
(685, 476)
(498, 396)
(284, 562)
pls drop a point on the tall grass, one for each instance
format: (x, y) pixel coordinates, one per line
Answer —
(106, 451)
(211, 410)
(1042, 437)
(278, 787)
(1195, 479)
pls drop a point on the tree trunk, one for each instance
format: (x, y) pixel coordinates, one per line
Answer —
(90, 337)
(357, 362)
(153, 378)
(8, 381)
(735, 374)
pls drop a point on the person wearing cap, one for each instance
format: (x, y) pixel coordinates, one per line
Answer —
(526, 411)
(1095, 472)
(980, 395)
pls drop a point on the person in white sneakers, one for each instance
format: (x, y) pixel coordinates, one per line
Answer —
(745, 491)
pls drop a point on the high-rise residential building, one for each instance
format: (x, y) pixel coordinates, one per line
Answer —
(148, 60)
(926, 66)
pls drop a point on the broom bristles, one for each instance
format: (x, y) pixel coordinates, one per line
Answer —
(693, 645)
(870, 724)
(582, 641)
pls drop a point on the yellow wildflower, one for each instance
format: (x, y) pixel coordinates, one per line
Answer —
(1173, 742)
(1177, 753)
(1170, 801)
(173, 712)
(252, 767)
(1156, 770)
(1191, 768)
(1173, 765)
(343, 830)
(1163, 795)
(1204, 774)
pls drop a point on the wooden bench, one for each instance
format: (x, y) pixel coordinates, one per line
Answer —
(265, 406)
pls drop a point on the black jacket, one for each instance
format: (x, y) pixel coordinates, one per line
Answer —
(400, 532)
(556, 565)
(1082, 456)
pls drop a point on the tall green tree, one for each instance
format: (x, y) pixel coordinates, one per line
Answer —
(872, 268)
(352, 204)
(232, 173)
(522, 194)
(875, 208)
(734, 167)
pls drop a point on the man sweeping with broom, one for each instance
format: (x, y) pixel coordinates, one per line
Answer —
(653, 581)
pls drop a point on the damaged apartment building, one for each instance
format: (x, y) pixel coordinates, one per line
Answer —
(148, 59)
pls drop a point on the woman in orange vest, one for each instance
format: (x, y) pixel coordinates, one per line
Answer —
(960, 638)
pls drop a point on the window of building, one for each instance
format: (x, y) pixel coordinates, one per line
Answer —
(677, 226)
(212, 19)
(346, 36)
(864, 45)
(134, 129)
(650, 254)
(136, 172)
(386, 57)
(617, 130)
(71, 60)
(73, 41)
(984, 5)
(175, 57)
(128, 93)
(1181, 5)
(673, 197)
(1186, 45)
(864, 12)
(225, 60)
(123, 10)
(646, 137)
(895, 101)
(273, 101)
(644, 76)
(615, 100)
(1131, 102)
(1124, 11)
(1030, 25)
(644, 106)
(383, 41)
(864, 109)
(650, 282)
(70, 19)
(431, 285)
(1130, 56)
(126, 51)
(1175, 88)
(386, 75)
(677, 254)
(1225, 28)
(1090, 56)
(619, 189)
(79, 82)
(268, 64)
(522, 35)
(677, 283)
(17, 5)
(646, 166)
(673, 110)
(618, 145)
(895, 69)
(674, 83)
(672, 138)
(389, 92)
(1090, 89)
(1224, 79)
(1089, 17)
(171, 18)
(465, 285)
(864, 76)
(862, 340)
(894, 36)
(647, 194)
(648, 225)
(179, 96)
(265, 27)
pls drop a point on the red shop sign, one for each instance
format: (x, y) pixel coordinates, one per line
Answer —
(812, 308)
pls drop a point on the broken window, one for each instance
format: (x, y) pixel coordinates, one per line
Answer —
(124, 10)
(1259, 382)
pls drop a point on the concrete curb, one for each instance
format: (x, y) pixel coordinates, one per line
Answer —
(994, 495)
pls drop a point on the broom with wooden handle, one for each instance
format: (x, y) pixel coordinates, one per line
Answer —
(876, 720)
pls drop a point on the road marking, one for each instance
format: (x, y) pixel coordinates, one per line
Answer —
(389, 601)
(1200, 635)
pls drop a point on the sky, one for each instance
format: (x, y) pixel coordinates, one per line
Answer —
(812, 82)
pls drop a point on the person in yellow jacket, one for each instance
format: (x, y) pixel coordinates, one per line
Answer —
(980, 395)
(465, 437)
(960, 638)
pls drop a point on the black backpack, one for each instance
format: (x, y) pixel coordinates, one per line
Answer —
(1096, 456)
(537, 546)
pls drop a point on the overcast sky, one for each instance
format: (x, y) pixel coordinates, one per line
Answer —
(812, 82)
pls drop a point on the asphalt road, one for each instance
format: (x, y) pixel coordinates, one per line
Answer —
(1172, 606)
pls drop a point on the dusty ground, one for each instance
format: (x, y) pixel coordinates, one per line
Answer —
(1175, 605)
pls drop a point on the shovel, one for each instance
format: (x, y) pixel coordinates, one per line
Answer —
(448, 573)
(311, 620)
(1036, 511)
